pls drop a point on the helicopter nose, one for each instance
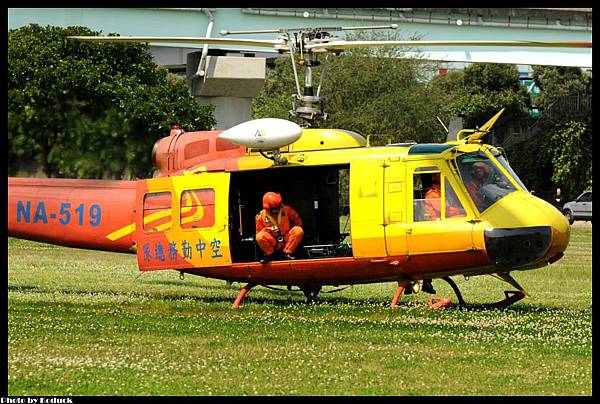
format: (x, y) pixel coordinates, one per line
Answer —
(526, 230)
(515, 247)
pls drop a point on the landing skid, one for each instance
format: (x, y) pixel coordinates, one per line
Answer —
(510, 297)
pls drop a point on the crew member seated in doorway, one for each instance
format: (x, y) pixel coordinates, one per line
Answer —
(278, 227)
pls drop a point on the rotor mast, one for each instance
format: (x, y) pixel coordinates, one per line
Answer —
(306, 104)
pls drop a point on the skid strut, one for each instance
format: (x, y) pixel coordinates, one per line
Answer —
(510, 297)
(401, 286)
(241, 295)
(461, 301)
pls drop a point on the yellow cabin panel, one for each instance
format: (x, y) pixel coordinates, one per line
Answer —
(395, 213)
(183, 222)
(366, 208)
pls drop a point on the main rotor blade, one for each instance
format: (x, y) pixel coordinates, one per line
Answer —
(340, 45)
(277, 44)
(309, 29)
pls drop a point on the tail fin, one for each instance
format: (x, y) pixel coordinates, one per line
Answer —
(75, 213)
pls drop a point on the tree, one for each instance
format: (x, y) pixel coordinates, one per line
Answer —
(558, 151)
(571, 155)
(90, 110)
(565, 132)
(555, 82)
(479, 91)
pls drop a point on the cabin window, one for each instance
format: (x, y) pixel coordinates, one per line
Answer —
(197, 208)
(157, 212)
(422, 186)
(452, 205)
(196, 149)
(428, 193)
(508, 168)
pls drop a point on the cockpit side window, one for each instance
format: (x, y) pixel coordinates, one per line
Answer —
(427, 196)
(485, 183)
(423, 186)
(452, 205)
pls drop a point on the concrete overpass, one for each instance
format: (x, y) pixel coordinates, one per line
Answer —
(543, 24)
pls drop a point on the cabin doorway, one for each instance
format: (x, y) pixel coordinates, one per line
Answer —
(319, 194)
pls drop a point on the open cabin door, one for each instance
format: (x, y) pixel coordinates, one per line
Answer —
(182, 222)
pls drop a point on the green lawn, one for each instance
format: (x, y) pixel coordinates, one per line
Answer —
(89, 323)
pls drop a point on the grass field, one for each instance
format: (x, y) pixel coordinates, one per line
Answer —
(89, 323)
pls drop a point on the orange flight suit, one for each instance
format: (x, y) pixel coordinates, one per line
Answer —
(289, 226)
(473, 186)
(432, 204)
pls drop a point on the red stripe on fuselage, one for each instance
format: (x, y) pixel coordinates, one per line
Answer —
(348, 270)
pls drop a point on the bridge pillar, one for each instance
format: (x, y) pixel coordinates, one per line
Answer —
(229, 83)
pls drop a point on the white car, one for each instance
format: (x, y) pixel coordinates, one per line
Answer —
(580, 208)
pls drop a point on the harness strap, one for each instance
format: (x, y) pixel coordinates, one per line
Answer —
(271, 218)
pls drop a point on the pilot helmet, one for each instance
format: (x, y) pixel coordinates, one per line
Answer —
(486, 169)
(272, 200)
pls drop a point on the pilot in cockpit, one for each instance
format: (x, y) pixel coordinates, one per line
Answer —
(480, 171)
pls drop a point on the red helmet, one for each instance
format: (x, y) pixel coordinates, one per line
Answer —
(272, 200)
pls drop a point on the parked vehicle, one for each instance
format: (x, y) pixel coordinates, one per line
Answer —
(580, 208)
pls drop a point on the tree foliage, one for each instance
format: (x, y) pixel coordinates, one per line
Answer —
(479, 91)
(571, 153)
(90, 110)
(559, 81)
(561, 155)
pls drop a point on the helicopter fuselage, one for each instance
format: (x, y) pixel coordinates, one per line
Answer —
(367, 217)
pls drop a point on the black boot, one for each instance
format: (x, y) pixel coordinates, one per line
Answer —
(266, 259)
(428, 286)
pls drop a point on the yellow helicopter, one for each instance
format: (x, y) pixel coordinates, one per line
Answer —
(405, 213)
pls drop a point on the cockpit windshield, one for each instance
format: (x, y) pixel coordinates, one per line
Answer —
(508, 168)
(482, 178)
